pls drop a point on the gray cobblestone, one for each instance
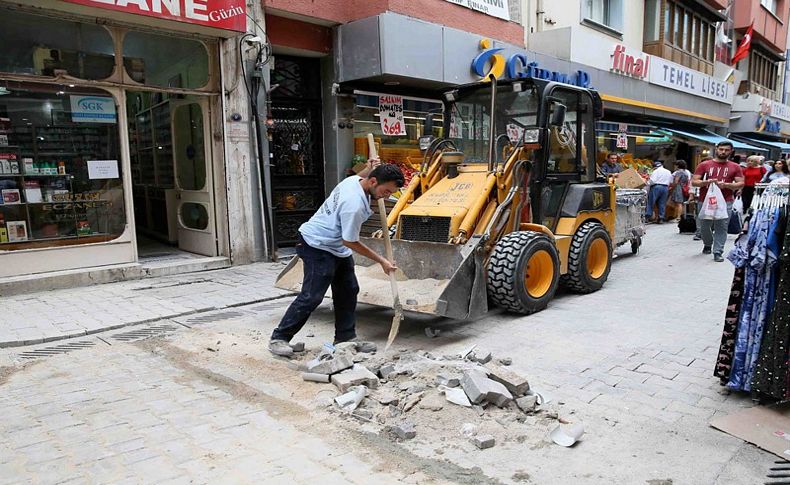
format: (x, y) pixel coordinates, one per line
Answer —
(656, 371)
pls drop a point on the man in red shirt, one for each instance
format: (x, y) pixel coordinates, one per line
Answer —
(729, 177)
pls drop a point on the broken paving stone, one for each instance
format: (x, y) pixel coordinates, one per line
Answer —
(457, 396)
(404, 430)
(412, 401)
(448, 381)
(465, 353)
(484, 441)
(394, 411)
(517, 385)
(357, 375)
(527, 403)
(386, 369)
(480, 388)
(358, 358)
(481, 356)
(330, 364)
(365, 414)
(505, 361)
(298, 347)
(315, 377)
(386, 397)
(432, 402)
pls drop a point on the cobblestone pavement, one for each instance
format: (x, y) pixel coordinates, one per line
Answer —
(205, 402)
(58, 314)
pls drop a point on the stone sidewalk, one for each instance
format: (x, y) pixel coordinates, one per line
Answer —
(60, 314)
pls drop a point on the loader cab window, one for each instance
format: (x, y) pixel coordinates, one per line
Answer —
(564, 140)
(469, 123)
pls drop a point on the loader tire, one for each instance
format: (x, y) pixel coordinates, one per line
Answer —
(589, 258)
(523, 272)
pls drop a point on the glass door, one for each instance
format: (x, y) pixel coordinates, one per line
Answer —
(193, 176)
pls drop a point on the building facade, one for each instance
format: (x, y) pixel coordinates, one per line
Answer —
(127, 140)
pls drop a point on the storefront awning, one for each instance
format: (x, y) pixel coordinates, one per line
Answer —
(706, 136)
(784, 147)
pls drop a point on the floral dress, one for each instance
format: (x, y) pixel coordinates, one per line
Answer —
(757, 300)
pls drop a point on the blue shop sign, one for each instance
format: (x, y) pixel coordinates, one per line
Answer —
(764, 124)
(518, 66)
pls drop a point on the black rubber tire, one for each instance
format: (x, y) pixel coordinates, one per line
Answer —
(579, 279)
(507, 267)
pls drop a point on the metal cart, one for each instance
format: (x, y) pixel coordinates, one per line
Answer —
(630, 218)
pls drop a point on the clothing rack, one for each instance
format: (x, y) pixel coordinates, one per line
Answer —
(771, 195)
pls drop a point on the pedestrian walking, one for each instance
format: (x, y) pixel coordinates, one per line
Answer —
(753, 173)
(325, 246)
(679, 188)
(659, 191)
(729, 178)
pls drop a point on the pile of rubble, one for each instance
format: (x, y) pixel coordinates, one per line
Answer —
(405, 390)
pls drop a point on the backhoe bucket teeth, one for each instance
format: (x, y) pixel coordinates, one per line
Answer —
(433, 278)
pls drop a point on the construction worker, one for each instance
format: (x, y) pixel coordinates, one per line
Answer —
(325, 246)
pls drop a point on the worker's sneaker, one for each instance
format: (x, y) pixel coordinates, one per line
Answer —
(697, 238)
(706, 250)
(281, 348)
(718, 258)
(362, 345)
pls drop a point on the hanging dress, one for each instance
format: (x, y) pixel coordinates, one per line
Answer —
(771, 375)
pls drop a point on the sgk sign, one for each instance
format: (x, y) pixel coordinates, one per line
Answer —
(220, 14)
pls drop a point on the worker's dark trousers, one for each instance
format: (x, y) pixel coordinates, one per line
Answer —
(322, 269)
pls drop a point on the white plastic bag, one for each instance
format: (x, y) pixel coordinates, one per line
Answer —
(737, 206)
(714, 206)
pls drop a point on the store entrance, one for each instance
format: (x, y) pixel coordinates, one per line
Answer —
(171, 176)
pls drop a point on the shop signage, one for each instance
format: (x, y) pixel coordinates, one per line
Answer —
(674, 76)
(634, 66)
(391, 115)
(494, 8)
(778, 110)
(220, 14)
(93, 109)
(518, 66)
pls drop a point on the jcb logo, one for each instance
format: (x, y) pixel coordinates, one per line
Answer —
(597, 199)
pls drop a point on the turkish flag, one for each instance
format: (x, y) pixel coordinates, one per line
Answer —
(743, 48)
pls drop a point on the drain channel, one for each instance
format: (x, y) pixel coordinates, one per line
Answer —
(214, 317)
(56, 349)
(144, 333)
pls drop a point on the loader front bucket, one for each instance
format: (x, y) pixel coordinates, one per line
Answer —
(434, 278)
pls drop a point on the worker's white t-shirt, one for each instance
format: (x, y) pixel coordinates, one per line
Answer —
(339, 218)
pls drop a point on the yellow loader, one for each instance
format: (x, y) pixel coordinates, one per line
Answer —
(506, 206)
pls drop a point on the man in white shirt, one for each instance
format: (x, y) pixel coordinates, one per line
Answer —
(659, 191)
(325, 246)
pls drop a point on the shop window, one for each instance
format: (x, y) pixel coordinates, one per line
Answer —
(45, 47)
(608, 13)
(159, 60)
(402, 148)
(60, 172)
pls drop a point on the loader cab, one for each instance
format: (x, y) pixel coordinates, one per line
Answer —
(556, 121)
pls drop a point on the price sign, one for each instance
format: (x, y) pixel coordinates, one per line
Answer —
(622, 140)
(391, 115)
